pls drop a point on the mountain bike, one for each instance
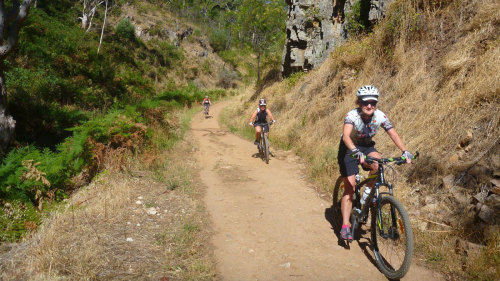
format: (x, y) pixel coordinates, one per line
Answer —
(391, 232)
(264, 144)
(207, 106)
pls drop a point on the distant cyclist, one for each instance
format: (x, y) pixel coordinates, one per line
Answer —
(360, 125)
(259, 120)
(207, 103)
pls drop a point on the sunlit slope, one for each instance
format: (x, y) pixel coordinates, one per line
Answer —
(437, 66)
(438, 71)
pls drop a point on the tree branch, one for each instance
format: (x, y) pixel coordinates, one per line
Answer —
(13, 34)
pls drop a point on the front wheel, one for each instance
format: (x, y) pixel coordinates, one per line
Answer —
(266, 148)
(392, 238)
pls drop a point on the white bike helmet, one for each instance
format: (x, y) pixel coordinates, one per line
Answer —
(367, 92)
(262, 102)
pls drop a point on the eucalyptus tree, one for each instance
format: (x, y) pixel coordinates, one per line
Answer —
(88, 12)
(263, 24)
(10, 24)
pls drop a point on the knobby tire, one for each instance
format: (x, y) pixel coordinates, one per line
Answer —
(266, 148)
(394, 252)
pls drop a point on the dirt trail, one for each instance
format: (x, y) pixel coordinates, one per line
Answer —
(269, 225)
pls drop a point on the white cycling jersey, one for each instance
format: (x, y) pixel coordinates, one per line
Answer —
(364, 131)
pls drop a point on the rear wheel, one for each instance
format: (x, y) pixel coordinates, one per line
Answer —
(392, 238)
(338, 192)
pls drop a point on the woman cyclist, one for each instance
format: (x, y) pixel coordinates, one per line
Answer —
(360, 125)
(207, 103)
(259, 120)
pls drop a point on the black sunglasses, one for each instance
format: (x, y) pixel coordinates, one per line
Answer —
(372, 102)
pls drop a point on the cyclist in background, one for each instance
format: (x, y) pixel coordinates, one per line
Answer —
(360, 125)
(259, 120)
(207, 103)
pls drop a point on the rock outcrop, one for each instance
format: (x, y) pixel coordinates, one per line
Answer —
(315, 27)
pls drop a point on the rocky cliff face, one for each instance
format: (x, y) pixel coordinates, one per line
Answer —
(315, 27)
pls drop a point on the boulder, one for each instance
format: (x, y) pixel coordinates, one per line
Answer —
(487, 214)
(467, 249)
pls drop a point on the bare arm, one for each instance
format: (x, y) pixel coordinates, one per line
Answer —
(397, 141)
(346, 137)
(253, 116)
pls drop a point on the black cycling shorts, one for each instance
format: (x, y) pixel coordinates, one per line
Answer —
(265, 126)
(349, 165)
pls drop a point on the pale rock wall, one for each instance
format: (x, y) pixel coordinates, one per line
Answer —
(315, 27)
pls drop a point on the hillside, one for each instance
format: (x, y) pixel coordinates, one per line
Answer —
(76, 101)
(104, 179)
(97, 127)
(436, 64)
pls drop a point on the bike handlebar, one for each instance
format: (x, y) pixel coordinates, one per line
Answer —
(268, 123)
(398, 160)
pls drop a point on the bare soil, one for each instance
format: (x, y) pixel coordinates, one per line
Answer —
(269, 222)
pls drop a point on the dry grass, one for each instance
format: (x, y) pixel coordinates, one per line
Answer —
(143, 223)
(437, 66)
(205, 71)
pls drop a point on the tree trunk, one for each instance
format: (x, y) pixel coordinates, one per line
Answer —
(103, 25)
(8, 39)
(7, 123)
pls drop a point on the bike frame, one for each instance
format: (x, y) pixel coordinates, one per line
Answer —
(262, 145)
(380, 181)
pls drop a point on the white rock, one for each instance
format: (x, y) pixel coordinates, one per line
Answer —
(138, 224)
(129, 239)
(285, 265)
(151, 211)
(251, 251)
(138, 202)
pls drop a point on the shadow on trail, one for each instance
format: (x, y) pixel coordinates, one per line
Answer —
(334, 216)
(335, 221)
(365, 248)
(257, 155)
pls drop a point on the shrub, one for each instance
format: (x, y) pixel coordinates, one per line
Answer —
(227, 79)
(167, 54)
(125, 30)
(294, 78)
(219, 40)
(230, 57)
(357, 17)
